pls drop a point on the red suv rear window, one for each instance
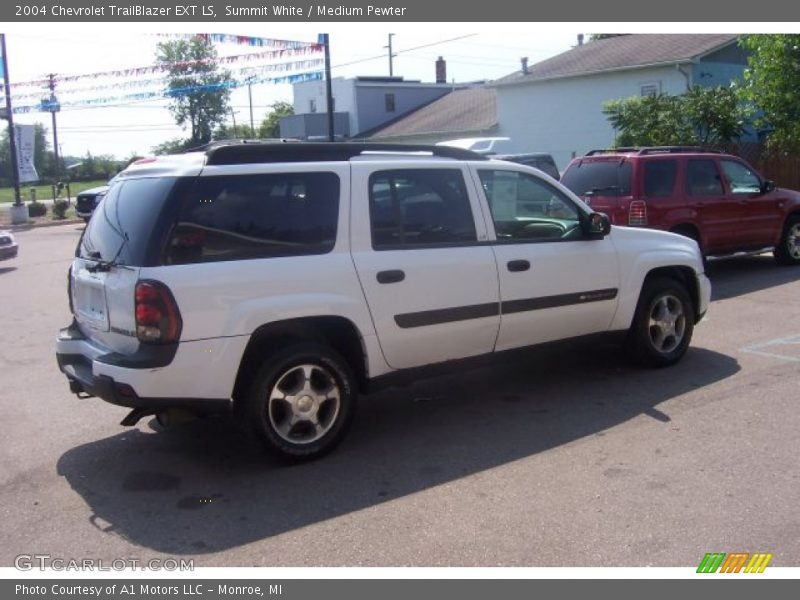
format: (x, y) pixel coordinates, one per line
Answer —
(599, 178)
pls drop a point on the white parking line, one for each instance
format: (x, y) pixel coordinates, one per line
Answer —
(760, 347)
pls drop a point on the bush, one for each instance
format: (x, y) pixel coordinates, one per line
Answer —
(60, 209)
(37, 209)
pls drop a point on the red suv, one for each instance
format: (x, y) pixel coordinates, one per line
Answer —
(714, 198)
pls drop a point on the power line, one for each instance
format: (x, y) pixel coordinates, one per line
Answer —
(383, 56)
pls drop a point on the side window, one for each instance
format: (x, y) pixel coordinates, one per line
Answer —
(255, 216)
(740, 179)
(702, 178)
(419, 207)
(659, 178)
(525, 207)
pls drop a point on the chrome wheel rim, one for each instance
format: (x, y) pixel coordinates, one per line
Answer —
(793, 241)
(667, 323)
(304, 403)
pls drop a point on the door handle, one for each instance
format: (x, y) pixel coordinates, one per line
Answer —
(393, 276)
(516, 266)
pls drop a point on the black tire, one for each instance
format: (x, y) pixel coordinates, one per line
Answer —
(649, 344)
(302, 373)
(787, 251)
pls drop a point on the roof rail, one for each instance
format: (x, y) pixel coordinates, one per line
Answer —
(654, 150)
(280, 152)
(671, 149)
(612, 150)
(239, 141)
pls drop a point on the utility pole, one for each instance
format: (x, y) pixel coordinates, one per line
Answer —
(233, 117)
(391, 56)
(12, 134)
(53, 106)
(328, 90)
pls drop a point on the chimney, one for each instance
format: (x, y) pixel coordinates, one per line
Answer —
(524, 61)
(580, 39)
(441, 70)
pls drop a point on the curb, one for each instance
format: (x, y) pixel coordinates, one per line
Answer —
(34, 224)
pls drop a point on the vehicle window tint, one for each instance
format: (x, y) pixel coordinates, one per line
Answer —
(740, 179)
(702, 178)
(525, 207)
(419, 207)
(126, 221)
(255, 216)
(599, 178)
(659, 177)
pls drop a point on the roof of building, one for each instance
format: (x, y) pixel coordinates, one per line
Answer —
(470, 109)
(622, 52)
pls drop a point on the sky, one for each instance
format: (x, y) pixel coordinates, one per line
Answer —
(472, 52)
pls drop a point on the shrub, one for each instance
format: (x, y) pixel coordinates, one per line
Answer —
(37, 209)
(60, 209)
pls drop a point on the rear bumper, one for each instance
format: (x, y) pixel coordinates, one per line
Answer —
(83, 362)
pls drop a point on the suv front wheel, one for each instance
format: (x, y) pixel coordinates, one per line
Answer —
(301, 402)
(663, 324)
(788, 250)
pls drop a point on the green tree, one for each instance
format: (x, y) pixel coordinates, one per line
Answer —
(704, 116)
(772, 85)
(228, 132)
(197, 87)
(173, 146)
(270, 126)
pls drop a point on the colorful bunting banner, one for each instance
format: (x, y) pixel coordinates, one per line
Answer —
(222, 60)
(242, 40)
(241, 73)
(143, 96)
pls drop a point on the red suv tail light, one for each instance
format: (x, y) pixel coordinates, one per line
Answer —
(637, 214)
(158, 320)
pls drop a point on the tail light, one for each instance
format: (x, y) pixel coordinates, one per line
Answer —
(158, 320)
(637, 214)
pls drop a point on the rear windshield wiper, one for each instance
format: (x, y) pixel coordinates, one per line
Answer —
(100, 266)
(607, 188)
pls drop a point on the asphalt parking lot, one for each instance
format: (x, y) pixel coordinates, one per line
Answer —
(565, 457)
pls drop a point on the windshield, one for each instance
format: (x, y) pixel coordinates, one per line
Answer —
(120, 230)
(599, 178)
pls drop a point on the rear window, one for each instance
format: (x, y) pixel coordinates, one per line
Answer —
(125, 221)
(599, 178)
(659, 178)
(255, 216)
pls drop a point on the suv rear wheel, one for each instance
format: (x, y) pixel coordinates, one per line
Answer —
(663, 324)
(788, 250)
(301, 402)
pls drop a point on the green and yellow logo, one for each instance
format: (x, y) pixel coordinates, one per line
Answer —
(734, 563)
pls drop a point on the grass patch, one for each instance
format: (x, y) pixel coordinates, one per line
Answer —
(45, 192)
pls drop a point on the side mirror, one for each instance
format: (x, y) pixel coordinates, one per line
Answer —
(597, 226)
(767, 186)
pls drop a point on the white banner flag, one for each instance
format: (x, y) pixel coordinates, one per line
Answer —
(25, 148)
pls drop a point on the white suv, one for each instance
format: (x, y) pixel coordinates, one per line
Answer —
(279, 280)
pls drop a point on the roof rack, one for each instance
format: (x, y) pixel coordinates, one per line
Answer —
(228, 153)
(644, 150)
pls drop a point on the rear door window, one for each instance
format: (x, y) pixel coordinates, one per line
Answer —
(659, 178)
(238, 217)
(599, 178)
(419, 207)
(702, 178)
